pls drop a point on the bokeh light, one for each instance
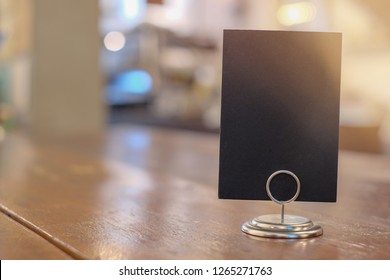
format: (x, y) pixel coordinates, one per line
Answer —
(114, 41)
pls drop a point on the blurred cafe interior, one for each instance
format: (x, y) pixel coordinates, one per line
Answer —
(93, 92)
(158, 63)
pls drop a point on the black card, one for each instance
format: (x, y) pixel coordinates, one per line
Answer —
(280, 111)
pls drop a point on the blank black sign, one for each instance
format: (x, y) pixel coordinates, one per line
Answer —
(280, 111)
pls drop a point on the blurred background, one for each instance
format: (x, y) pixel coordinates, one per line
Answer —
(77, 67)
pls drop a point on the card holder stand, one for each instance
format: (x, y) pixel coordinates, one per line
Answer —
(282, 226)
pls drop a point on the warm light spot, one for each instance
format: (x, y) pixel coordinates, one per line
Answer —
(114, 41)
(296, 13)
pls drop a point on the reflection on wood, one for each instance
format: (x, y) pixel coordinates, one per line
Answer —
(142, 193)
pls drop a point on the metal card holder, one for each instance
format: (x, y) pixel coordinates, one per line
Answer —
(282, 226)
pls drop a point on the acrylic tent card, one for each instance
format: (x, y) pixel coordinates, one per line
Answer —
(280, 111)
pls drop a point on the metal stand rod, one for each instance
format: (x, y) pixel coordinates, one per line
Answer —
(283, 226)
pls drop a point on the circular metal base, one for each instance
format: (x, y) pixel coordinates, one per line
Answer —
(271, 226)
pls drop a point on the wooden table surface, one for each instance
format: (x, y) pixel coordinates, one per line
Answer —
(146, 193)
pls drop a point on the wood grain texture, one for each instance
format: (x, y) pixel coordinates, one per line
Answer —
(36, 230)
(143, 193)
(17, 242)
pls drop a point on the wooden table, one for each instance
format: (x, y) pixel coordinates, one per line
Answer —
(146, 193)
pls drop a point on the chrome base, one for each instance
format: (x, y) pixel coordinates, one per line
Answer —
(291, 227)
